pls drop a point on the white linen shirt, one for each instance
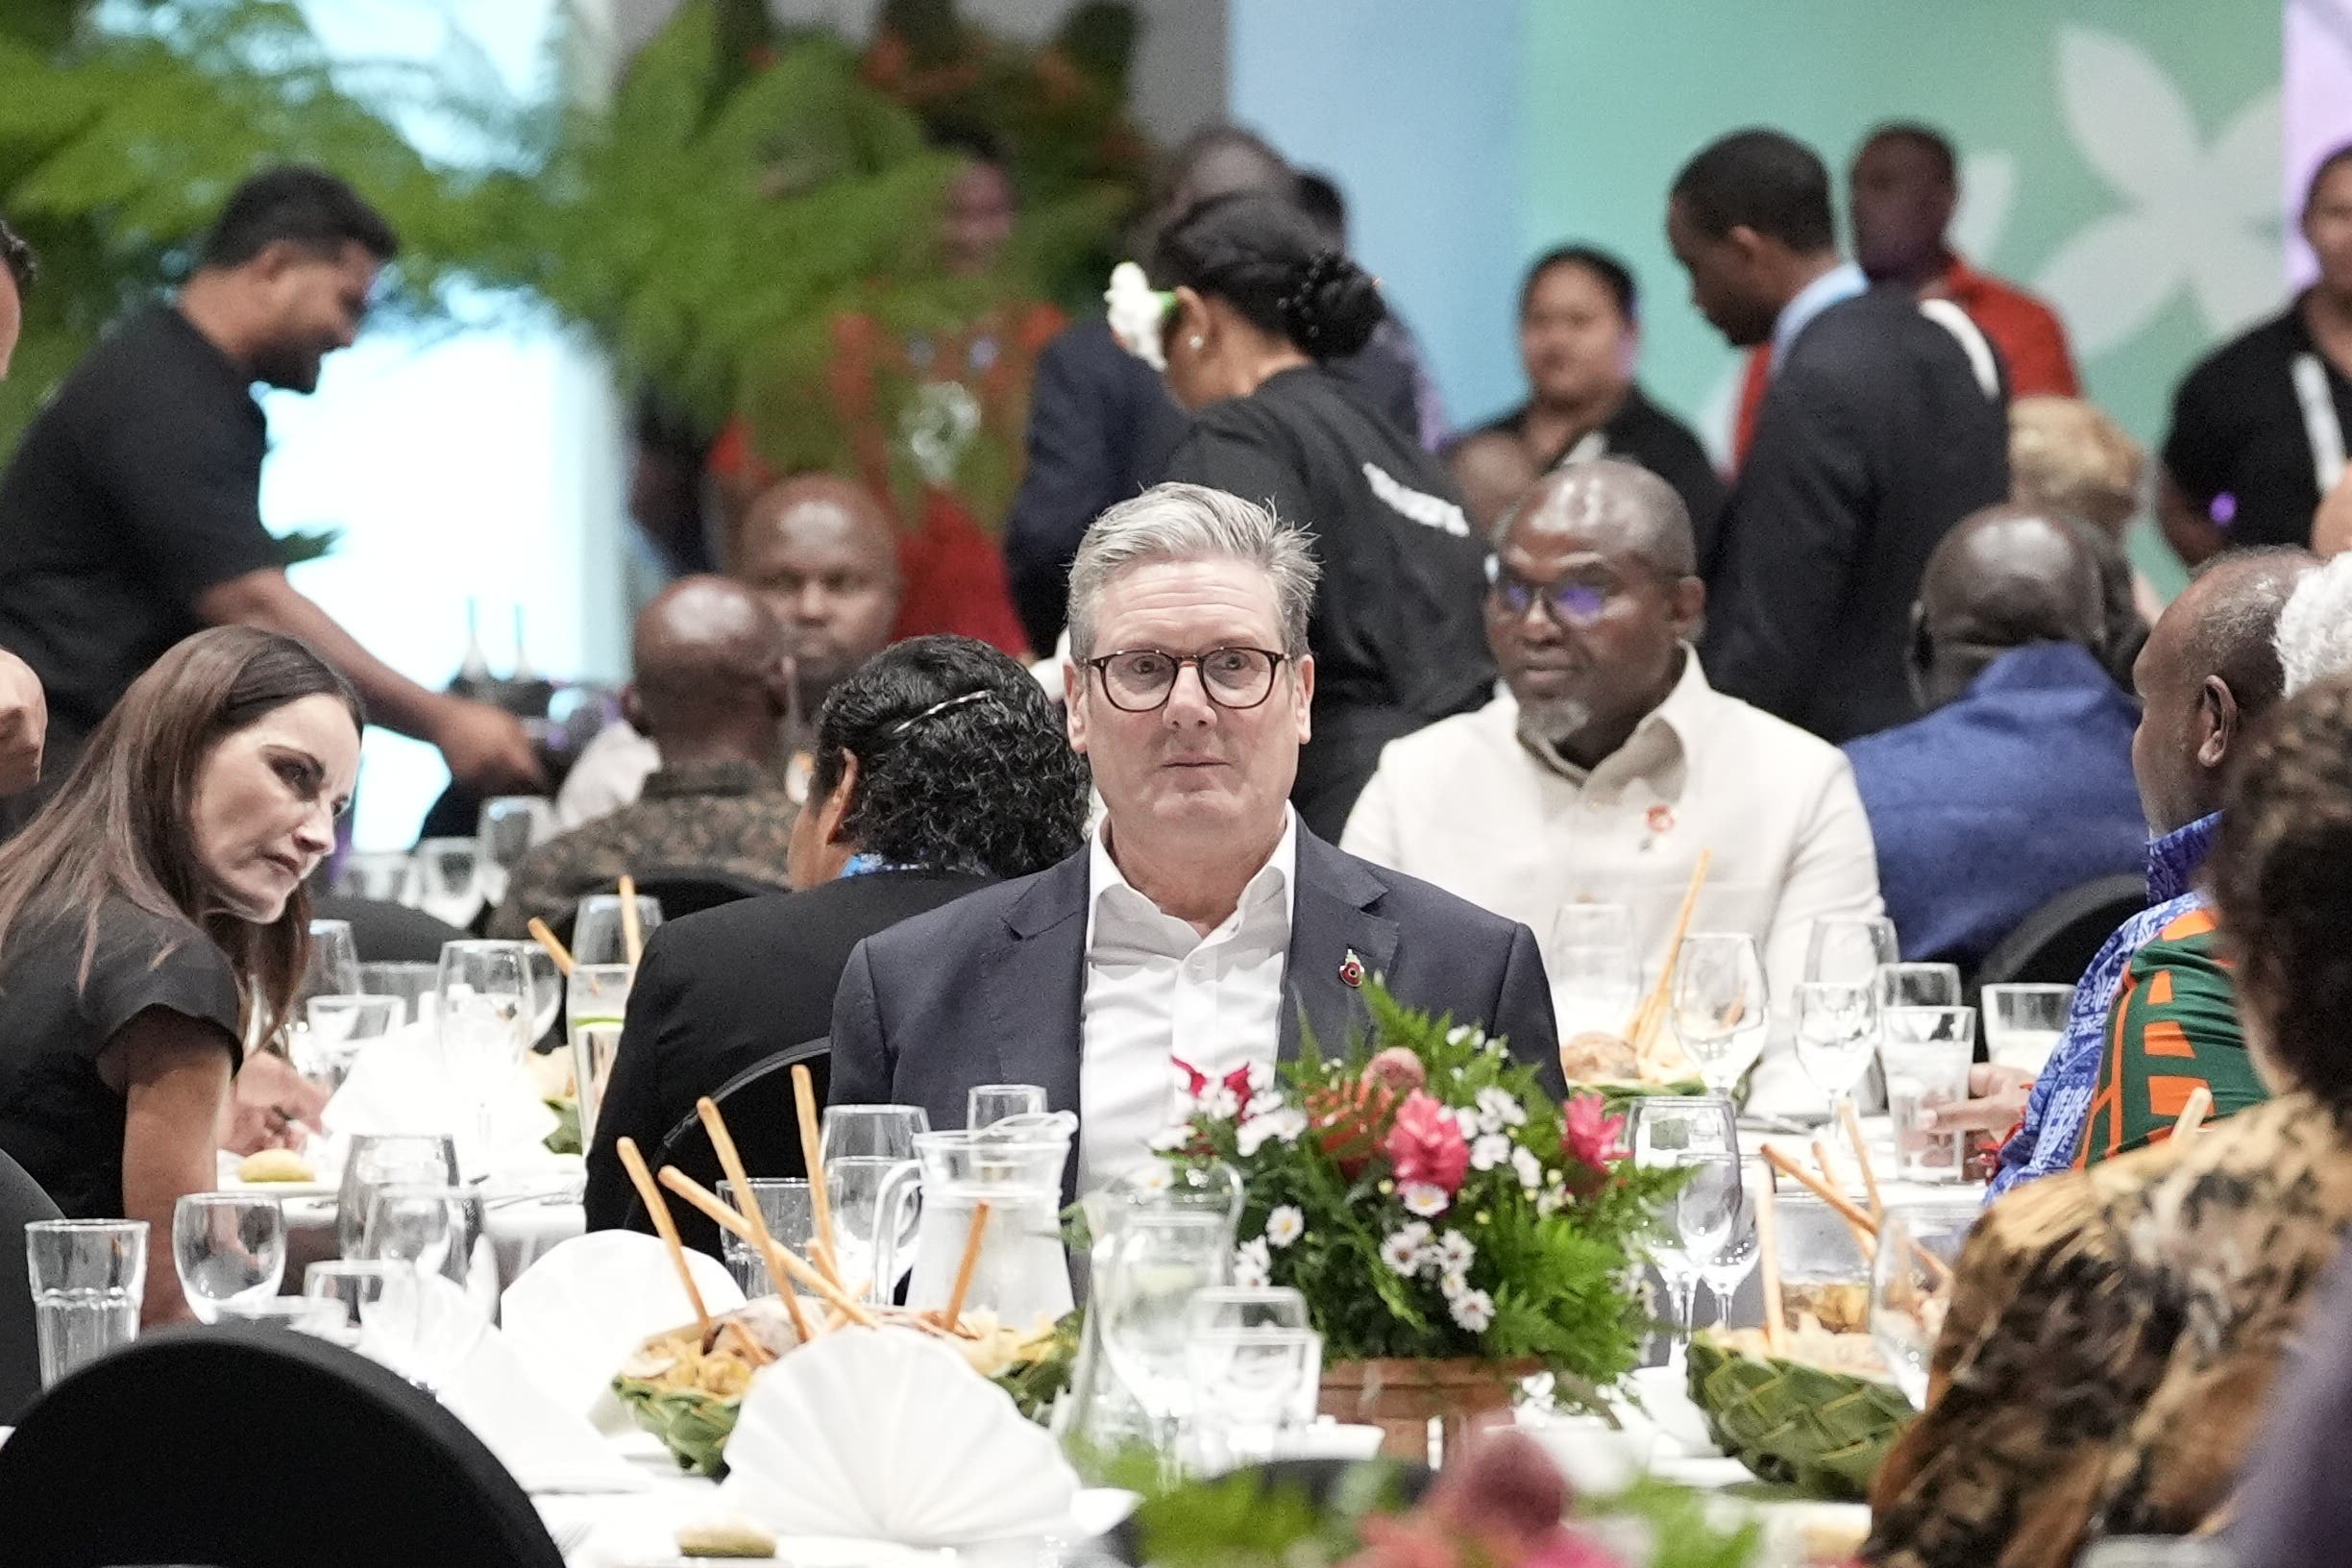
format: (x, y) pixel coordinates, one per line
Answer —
(1512, 826)
(1158, 991)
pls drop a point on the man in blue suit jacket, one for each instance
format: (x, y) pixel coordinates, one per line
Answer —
(1203, 926)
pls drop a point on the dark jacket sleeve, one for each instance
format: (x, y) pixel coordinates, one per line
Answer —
(1790, 537)
(633, 1104)
(860, 1061)
(1522, 1012)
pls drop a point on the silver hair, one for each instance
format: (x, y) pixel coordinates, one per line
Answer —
(2314, 631)
(1191, 523)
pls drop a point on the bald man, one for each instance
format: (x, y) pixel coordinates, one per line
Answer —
(2209, 675)
(823, 554)
(711, 692)
(2016, 785)
(1609, 763)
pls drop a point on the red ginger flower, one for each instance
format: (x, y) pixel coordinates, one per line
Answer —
(1590, 1132)
(1427, 1146)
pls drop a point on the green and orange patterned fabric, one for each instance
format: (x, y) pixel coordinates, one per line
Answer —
(2173, 1027)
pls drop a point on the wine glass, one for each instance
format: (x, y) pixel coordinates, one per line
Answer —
(1155, 1263)
(860, 1147)
(334, 965)
(381, 1160)
(597, 935)
(449, 880)
(1918, 1243)
(378, 1300)
(1720, 1011)
(546, 987)
(1238, 1308)
(439, 1235)
(384, 876)
(1596, 980)
(509, 827)
(1837, 1028)
(1739, 1258)
(1252, 1386)
(485, 1011)
(1849, 947)
(988, 1104)
(1699, 1135)
(1918, 984)
(229, 1247)
(338, 1027)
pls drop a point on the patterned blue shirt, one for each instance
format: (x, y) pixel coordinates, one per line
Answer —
(2061, 1099)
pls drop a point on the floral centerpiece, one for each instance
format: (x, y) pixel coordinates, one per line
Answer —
(1451, 1228)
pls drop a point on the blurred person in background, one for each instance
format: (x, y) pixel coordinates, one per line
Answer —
(24, 710)
(941, 767)
(2114, 1337)
(2067, 455)
(710, 691)
(2256, 451)
(1885, 423)
(152, 922)
(131, 514)
(1259, 304)
(823, 554)
(1492, 470)
(2016, 784)
(1579, 339)
(1392, 342)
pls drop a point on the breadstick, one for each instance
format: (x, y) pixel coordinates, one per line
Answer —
(714, 1208)
(667, 1227)
(731, 1162)
(812, 1155)
(954, 1314)
(1768, 1261)
(553, 944)
(1853, 1124)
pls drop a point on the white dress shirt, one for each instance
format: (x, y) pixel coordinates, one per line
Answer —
(1157, 992)
(1509, 823)
(610, 774)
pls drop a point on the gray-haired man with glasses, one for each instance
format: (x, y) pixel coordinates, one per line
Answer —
(1180, 950)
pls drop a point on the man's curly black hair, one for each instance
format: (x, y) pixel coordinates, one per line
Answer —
(962, 763)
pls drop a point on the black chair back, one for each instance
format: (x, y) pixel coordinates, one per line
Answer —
(21, 1202)
(2055, 943)
(762, 1118)
(248, 1446)
(386, 932)
(680, 891)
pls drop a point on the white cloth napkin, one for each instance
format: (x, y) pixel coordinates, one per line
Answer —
(578, 1313)
(400, 1084)
(886, 1434)
(548, 1448)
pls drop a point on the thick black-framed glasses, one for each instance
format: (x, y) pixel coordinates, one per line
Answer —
(1575, 602)
(1141, 679)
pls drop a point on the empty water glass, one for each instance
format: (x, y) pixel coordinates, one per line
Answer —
(546, 981)
(787, 1206)
(2022, 1024)
(381, 1160)
(1836, 1027)
(87, 1278)
(339, 1027)
(1720, 1005)
(357, 1287)
(334, 965)
(229, 1247)
(988, 1104)
(441, 1235)
(1144, 1282)
(595, 1005)
(1225, 1308)
(1595, 978)
(1910, 1274)
(1701, 1136)
(382, 876)
(483, 1016)
(1926, 1052)
(412, 983)
(449, 880)
(1737, 1258)
(1849, 947)
(511, 827)
(1250, 1385)
(597, 934)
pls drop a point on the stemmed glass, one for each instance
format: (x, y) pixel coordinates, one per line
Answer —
(334, 968)
(1596, 980)
(449, 880)
(1699, 1135)
(860, 1147)
(1837, 1029)
(486, 1013)
(1739, 1258)
(339, 1026)
(440, 1238)
(596, 1010)
(1720, 1005)
(1849, 947)
(384, 876)
(381, 1160)
(1908, 1295)
(1154, 1265)
(546, 987)
(508, 828)
(229, 1247)
(597, 934)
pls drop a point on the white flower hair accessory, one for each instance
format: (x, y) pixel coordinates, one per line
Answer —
(1139, 313)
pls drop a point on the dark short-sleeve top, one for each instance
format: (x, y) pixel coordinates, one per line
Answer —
(2239, 447)
(136, 489)
(58, 1117)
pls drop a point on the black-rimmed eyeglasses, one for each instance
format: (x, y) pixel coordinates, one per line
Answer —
(1140, 680)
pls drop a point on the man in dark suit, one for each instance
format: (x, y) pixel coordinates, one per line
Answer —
(1203, 928)
(1885, 423)
(940, 766)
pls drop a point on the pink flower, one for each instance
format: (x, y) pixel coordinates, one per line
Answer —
(1426, 1144)
(1591, 1132)
(1398, 1068)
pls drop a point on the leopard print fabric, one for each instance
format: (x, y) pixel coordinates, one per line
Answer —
(2111, 1343)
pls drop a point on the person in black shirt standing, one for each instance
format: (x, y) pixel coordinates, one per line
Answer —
(131, 514)
(1580, 335)
(1397, 629)
(2258, 427)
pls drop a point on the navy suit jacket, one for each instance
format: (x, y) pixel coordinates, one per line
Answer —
(987, 989)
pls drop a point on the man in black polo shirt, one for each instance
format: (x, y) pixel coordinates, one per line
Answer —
(2258, 427)
(131, 515)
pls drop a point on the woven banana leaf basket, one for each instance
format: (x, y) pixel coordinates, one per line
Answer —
(692, 1424)
(1821, 1431)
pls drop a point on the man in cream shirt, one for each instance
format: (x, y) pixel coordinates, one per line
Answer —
(1203, 928)
(1609, 763)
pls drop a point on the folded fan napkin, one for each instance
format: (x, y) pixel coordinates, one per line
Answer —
(577, 1313)
(400, 1084)
(547, 1449)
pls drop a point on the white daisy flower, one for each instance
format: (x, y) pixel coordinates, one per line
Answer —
(1456, 1252)
(1452, 1286)
(1498, 1105)
(1220, 1102)
(1252, 1266)
(1458, 1034)
(1551, 1201)
(1488, 1150)
(1466, 1118)
(1529, 1169)
(1472, 1310)
(1284, 1225)
(1282, 1125)
(1426, 1199)
(1260, 1076)
(1401, 1249)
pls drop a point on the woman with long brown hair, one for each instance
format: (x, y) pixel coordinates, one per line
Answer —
(152, 914)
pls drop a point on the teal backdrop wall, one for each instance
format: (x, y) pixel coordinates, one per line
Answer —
(2122, 156)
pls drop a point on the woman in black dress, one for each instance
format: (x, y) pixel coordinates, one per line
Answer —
(151, 913)
(1260, 303)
